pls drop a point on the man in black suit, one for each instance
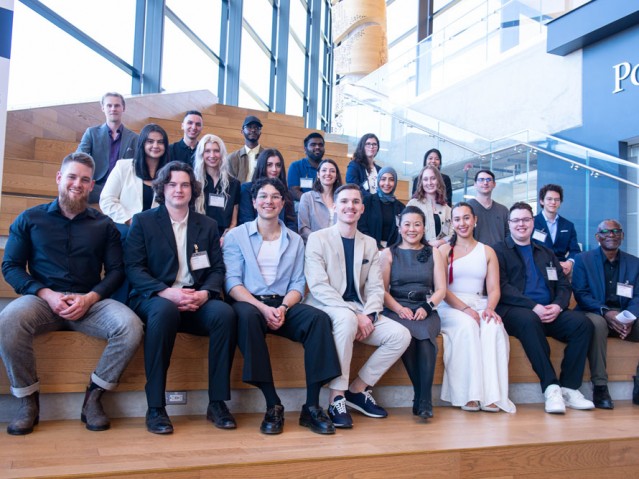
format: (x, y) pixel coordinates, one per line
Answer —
(534, 304)
(175, 267)
(109, 142)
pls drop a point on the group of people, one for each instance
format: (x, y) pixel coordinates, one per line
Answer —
(206, 243)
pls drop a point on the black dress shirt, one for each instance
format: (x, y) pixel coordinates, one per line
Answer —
(62, 254)
(611, 275)
(180, 151)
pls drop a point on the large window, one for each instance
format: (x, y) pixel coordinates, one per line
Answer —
(264, 54)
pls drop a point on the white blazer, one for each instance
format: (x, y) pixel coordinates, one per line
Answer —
(121, 196)
(325, 270)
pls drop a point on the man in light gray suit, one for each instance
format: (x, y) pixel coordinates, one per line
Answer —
(345, 281)
(109, 142)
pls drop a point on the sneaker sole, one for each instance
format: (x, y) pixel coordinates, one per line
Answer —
(555, 411)
(363, 411)
(586, 408)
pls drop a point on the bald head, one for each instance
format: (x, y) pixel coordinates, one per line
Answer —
(609, 235)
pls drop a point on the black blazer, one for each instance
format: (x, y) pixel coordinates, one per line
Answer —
(151, 254)
(370, 223)
(512, 276)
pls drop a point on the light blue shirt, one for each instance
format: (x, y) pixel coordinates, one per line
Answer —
(552, 226)
(241, 247)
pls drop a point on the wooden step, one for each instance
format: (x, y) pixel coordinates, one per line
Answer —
(454, 444)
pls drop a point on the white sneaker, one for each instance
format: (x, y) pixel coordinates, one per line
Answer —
(575, 400)
(554, 400)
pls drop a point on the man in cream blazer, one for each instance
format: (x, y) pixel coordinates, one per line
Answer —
(344, 280)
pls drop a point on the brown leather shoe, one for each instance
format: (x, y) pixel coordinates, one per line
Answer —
(28, 415)
(92, 413)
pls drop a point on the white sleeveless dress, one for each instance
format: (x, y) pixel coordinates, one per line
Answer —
(475, 356)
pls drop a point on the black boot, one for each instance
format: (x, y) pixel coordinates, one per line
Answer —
(28, 415)
(635, 391)
(92, 413)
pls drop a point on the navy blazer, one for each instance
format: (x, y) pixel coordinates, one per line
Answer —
(588, 281)
(565, 245)
(512, 276)
(150, 254)
(370, 223)
(96, 141)
(358, 175)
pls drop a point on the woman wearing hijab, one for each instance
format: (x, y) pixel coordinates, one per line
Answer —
(382, 210)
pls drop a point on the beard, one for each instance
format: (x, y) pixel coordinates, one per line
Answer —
(73, 206)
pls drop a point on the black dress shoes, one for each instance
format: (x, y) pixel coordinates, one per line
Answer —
(273, 422)
(315, 418)
(157, 421)
(424, 409)
(635, 390)
(220, 416)
(601, 397)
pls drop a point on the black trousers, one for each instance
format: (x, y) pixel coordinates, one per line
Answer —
(419, 360)
(163, 321)
(303, 324)
(570, 327)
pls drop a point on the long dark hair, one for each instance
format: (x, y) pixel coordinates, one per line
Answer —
(433, 150)
(427, 251)
(260, 167)
(317, 184)
(360, 152)
(139, 160)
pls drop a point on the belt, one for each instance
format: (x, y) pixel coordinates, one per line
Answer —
(273, 300)
(410, 295)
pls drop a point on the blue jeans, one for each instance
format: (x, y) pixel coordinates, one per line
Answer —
(29, 315)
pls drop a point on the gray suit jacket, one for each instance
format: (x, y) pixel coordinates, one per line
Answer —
(96, 141)
(325, 270)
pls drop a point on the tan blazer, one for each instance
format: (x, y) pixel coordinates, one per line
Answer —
(325, 271)
(238, 163)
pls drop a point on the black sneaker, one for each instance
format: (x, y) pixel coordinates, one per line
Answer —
(315, 418)
(365, 403)
(338, 413)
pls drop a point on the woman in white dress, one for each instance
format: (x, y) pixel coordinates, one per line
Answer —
(476, 345)
(430, 197)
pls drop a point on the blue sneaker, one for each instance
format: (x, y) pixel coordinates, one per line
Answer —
(338, 413)
(365, 403)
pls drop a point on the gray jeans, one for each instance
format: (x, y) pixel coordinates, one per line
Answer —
(29, 316)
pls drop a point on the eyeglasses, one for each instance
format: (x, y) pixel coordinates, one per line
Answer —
(371, 145)
(253, 128)
(524, 221)
(484, 180)
(552, 200)
(269, 197)
(614, 231)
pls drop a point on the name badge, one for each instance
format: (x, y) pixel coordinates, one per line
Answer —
(217, 201)
(199, 260)
(306, 183)
(552, 273)
(625, 290)
(365, 185)
(539, 236)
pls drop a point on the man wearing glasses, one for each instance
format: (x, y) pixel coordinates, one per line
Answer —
(554, 231)
(604, 282)
(534, 301)
(492, 217)
(265, 280)
(242, 162)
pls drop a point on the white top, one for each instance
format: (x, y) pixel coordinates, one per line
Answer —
(372, 181)
(183, 277)
(268, 258)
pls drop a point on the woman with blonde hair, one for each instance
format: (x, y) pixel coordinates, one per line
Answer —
(430, 197)
(221, 191)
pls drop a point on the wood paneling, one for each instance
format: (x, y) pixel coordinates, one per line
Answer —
(66, 359)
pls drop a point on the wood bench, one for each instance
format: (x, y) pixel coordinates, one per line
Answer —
(66, 359)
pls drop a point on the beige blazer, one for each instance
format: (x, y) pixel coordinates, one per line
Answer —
(325, 270)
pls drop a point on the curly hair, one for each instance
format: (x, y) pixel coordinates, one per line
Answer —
(440, 194)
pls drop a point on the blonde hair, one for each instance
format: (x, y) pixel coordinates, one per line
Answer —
(199, 168)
